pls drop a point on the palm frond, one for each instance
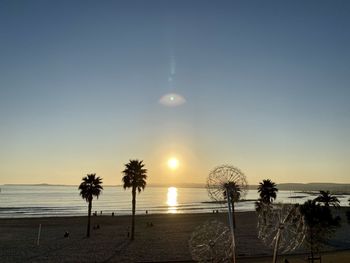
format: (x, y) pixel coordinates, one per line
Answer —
(135, 175)
(90, 186)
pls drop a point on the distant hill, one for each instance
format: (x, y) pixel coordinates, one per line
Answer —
(284, 186)
(36, 184)
(332, 187)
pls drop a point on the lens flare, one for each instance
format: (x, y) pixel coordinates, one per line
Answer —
(172, 100)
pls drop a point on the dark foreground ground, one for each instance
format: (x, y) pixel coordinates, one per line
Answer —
(165, 241)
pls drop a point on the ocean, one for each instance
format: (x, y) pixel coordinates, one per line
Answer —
(18, 201)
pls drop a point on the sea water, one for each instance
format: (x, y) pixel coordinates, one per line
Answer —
(40, 201)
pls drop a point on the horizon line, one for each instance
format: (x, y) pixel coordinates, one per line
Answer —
(165, 185)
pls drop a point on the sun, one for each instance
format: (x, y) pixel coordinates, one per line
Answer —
(173, 163)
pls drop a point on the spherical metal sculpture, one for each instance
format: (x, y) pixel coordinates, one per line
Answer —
(229, 183)
(281, 226)
(222, 177)
(211, 242)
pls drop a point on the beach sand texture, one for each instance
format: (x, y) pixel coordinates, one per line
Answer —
(166, 240)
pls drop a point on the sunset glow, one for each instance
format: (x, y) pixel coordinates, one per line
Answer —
(173, 163)
(186, 84)
(172, 200)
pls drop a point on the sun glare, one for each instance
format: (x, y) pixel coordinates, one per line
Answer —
(172, 200)
(173, 163)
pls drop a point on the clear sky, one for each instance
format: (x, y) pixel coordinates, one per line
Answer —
(266, 86)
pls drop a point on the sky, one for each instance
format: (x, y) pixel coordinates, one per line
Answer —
(264, 86)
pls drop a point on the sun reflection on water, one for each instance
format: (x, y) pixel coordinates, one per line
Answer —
(172, 200)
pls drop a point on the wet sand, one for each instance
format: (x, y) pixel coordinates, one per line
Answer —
(165, 241)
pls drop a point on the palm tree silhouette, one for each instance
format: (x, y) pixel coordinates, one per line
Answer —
(235, 194)
(90, 186)
(267, 191)
(320, 224)
(327, 199)
(135, 176)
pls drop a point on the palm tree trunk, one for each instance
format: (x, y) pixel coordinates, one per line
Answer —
(133, 213)
(274, 260)
(89, 216)
(233, 214)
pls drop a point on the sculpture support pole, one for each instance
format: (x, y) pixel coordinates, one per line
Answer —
(39, 233)
(230, 219)
(274, 260)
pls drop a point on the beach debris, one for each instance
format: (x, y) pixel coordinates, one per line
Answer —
(96, 226)
(282, 227)
(211, 242)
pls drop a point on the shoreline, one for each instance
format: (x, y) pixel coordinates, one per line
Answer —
(115, 215)
(221, 210)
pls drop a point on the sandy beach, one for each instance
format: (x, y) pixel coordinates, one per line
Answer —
(165, 241)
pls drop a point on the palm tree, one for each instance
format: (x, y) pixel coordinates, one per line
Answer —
(235, 194)
(320, 225)
(267, 191)
(135, 176)
(90, 186)
(327, 199)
